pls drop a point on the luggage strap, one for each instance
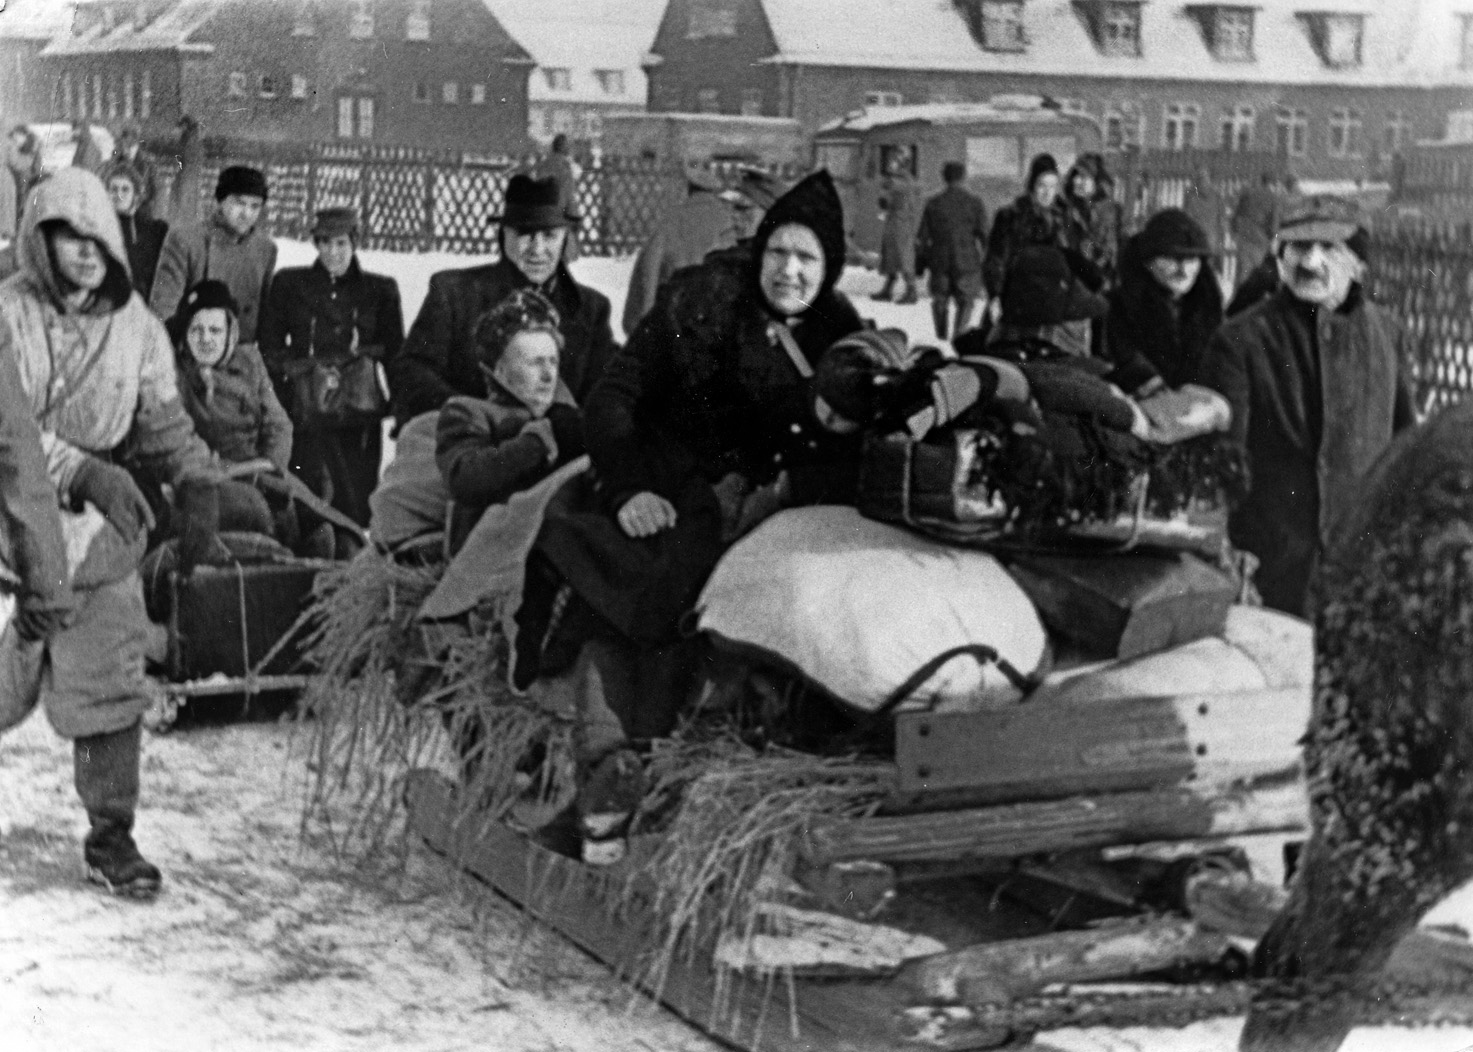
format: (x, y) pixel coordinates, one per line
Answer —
(790, 345)
(984, 654)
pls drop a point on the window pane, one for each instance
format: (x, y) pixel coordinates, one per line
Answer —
(345, 118)
(365, 118)
(994, 156)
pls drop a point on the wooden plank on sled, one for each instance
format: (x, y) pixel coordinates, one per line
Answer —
(1017, 830)
(857, 1015)
(1048, 750)
(1000, 972)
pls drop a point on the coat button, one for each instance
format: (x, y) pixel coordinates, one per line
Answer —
(796, 429)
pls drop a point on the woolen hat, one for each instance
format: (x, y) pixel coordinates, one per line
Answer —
(1171, 232)
(239, 179)
(1319, 217)
(334, 222)
(205, 295)
(532, 204)
(1041, 288)
(852, 373)
(1042, 164)
(814, 203)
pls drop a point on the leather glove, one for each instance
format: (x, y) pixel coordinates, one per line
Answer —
(40, 617)
(542, 428)
(114, 493)
(199, 522)
(567, 429)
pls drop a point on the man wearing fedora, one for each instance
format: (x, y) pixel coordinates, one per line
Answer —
(1314, 375)
(228, 246)
(438, 358)
(335, 310)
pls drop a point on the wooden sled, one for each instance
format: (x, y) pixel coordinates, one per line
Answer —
(234, 634)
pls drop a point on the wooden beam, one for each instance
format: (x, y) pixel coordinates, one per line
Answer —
(1048, 749)
(999, 972)
(1016, 830)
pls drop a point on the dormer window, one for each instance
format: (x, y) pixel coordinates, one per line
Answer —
(558, 78)
(610, 81)
(997, 25)
(1336, 37)
(711, 18)
(1115, 25)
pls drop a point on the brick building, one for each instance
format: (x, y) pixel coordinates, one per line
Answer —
(429, 73)
(588, 55)
(1339, 86)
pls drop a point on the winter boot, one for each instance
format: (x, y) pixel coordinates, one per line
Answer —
(939, 306)
(106, 772)
(883, 296)
(910, 295)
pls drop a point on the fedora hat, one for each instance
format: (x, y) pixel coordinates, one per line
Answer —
(531, 204)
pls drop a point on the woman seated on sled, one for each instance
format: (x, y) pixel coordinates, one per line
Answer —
(227, 393)
(524, 429)
(700, 427)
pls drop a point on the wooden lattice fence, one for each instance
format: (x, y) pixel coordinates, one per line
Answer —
(1423, 272)
(418, 200)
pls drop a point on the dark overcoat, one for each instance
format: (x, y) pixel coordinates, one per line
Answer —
(952, 231)
(1146, 338)
(144, 239)
(438, 358)
(1316, 397)
(703, 389)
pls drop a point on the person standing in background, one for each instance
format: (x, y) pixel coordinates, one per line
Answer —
(337, 311)
(229, 246)
(23, 161)
(143, 236)
(130, 151)
(1254, 218)
(949, 242)
(87, 155)
(900, 201)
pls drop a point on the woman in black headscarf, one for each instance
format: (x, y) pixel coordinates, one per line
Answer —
(700, 427)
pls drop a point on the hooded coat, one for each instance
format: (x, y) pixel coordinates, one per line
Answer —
(1147, 335)
(100, 383)
(704, 389)
(234, 406)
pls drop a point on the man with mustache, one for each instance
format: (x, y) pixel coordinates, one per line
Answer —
(1315, 376)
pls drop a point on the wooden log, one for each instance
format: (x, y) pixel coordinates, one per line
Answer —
(815, 944)
(1016, 830)
(998, 972)
(1236, 905)
(1049, 749)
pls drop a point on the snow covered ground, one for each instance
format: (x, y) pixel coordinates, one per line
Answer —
(262, 943)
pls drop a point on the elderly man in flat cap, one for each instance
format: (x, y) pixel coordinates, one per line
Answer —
(1315, 374)
(333, 313)
(229, 246)
(439, 355)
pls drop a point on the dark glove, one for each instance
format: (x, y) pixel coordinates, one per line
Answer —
(115, 494)
(40, 617)
(567, 429)
(199, 522)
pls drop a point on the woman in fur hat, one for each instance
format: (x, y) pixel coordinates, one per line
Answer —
(1167, 307)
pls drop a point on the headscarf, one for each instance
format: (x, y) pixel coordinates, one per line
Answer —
(814, 203)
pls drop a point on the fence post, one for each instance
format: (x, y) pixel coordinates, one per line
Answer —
(427, 227)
